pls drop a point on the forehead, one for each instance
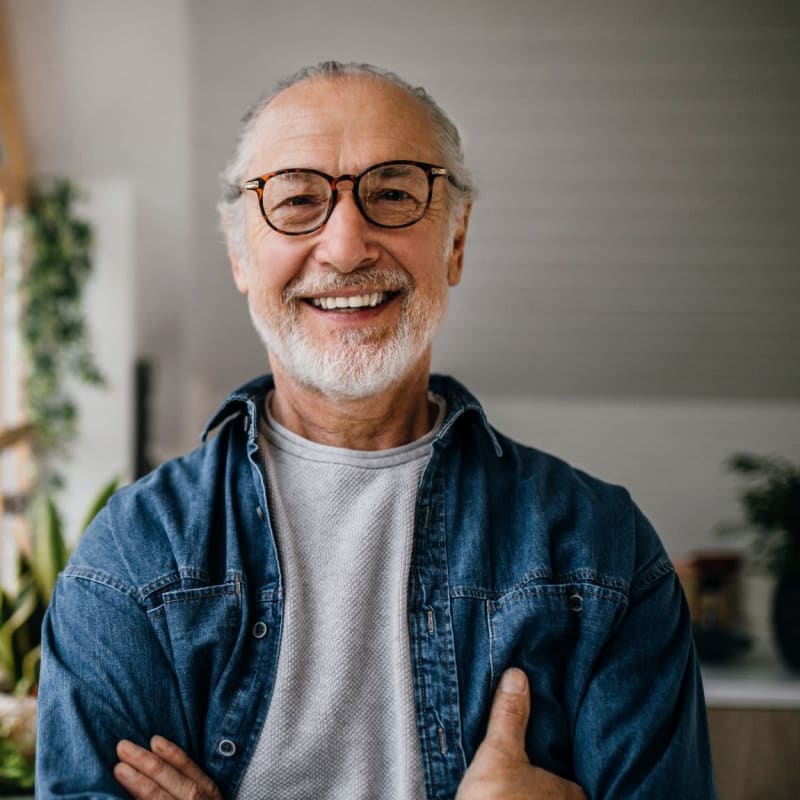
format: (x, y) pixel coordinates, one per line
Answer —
(342, 125)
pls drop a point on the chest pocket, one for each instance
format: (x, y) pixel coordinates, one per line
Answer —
(555, 633)
(201, 626)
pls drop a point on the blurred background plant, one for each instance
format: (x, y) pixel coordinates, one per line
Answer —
(17, 742)
(770, 504)
(21, 615)
(53, 324)
(55, 265)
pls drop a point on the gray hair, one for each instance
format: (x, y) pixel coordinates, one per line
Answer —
(461, 187)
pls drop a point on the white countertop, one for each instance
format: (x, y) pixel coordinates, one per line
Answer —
(756, 680)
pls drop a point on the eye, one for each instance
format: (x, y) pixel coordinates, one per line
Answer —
(295, 190)
(295, 203)
(391, 196)
(301, 200)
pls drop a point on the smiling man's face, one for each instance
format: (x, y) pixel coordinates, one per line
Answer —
(350, 309)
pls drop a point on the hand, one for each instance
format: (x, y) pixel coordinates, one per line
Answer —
(163, 773)
(500, 769)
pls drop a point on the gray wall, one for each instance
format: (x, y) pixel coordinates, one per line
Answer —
(635, 236)
(104, 92)
(636, 233)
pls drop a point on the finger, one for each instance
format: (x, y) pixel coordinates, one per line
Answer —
(508, 719)
(138, 786)
(177, 758)
(155, 778)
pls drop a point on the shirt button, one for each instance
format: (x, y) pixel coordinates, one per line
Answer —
(260, 629)
(226, 748)
(576, 603)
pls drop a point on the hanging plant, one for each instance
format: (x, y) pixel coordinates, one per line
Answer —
(54, 333)
(53, 324)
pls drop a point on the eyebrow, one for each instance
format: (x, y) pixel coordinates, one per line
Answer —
(295, 176)
(395, 170)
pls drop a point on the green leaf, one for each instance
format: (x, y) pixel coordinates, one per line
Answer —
(24, 607)
(100, 501)
(30, 671)
(16, 769)
(49, 547)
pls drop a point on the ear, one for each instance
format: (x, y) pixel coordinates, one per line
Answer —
(239, 270)
(456, 259)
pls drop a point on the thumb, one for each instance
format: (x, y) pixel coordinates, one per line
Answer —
(508, 718)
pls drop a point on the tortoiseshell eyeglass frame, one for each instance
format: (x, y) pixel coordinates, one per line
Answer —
(432, 171)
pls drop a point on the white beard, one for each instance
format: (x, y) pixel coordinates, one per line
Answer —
(357, 365)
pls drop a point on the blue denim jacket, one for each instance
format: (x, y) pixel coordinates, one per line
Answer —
(168, 619)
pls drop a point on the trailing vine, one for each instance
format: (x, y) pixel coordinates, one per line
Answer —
(53, 324)
(57, 265)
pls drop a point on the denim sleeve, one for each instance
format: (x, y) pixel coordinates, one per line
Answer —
(644, 711)
(104, 677)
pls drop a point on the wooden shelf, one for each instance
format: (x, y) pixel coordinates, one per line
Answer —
(19, 434)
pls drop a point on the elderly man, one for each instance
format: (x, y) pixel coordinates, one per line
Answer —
(358, 588)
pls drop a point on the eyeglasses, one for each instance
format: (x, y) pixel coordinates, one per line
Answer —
(392, 194)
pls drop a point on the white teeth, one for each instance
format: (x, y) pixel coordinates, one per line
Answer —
(357, 301)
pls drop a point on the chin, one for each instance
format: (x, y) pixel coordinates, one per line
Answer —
(354, 369)
(360, 364)
(350, 372)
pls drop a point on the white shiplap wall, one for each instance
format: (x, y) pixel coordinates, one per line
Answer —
(636, 233)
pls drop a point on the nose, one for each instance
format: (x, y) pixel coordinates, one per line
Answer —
(346, 240)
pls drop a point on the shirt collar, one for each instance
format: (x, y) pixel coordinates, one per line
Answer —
(249, 398)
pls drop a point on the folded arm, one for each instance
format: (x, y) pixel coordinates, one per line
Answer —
(104, 677)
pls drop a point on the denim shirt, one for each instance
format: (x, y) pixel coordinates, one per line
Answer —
(168, 619)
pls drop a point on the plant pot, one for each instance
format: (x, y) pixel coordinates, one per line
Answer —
(786, 620)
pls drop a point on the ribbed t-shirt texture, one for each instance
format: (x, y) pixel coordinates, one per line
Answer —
(342, 718)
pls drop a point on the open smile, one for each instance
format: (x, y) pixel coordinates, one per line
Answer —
(351, 303)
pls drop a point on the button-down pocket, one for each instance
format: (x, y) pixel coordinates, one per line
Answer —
(537, 628)
(201, 613)
(534, 629)
(202, 629)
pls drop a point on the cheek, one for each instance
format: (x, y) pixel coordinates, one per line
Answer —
(274, 262)
(430, 271)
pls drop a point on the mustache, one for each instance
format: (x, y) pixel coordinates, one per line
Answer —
(374, 279)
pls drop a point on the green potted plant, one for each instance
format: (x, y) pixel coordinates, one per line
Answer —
(57, 265)
(770, 504)
(40, 561)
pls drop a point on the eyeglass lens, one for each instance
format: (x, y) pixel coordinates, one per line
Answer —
(392, 195)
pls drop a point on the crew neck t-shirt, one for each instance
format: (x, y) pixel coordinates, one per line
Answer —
(342, 718)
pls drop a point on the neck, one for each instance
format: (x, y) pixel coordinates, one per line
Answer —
(394, 417)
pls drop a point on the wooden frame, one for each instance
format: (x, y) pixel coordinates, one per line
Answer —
(13, 158)
(14, 440)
